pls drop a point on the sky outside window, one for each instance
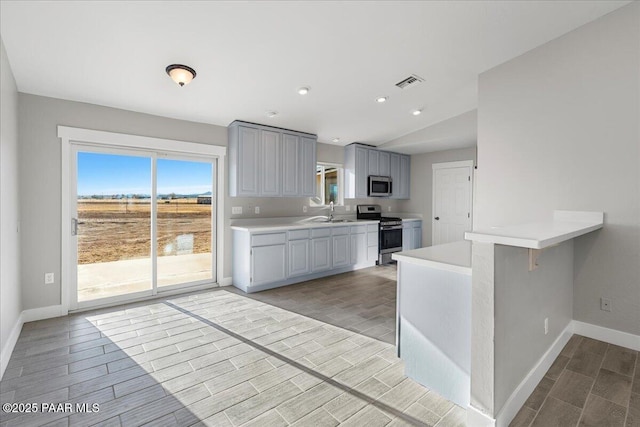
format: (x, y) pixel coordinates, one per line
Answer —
(110, 174)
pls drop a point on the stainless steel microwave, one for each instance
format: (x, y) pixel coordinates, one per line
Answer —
(379, 186)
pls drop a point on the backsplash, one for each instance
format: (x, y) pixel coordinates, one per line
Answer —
(283, 207)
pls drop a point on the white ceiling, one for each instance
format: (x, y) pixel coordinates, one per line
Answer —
(252, 56)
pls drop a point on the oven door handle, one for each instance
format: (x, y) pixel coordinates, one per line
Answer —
(391, 227)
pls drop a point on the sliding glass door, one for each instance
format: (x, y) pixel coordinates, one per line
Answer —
(185, 221)
(143, 222)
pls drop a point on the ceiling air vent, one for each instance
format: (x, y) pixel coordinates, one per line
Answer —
(409, 81)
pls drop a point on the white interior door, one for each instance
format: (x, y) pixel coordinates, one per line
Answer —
(452, 195)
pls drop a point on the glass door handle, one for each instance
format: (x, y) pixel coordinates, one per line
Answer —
(74, 226)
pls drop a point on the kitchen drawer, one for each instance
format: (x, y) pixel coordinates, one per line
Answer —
(299, 234)
(340, 231)
(358, 229)
(321, 232)
(268, 239)
(372, 227)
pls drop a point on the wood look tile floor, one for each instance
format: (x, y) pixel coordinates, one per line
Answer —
(591, 383)
(362, 301)
(213, 358)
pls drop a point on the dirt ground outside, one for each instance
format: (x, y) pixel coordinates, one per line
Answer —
(113, 230)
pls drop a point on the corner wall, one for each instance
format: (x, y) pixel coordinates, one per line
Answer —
(558, 128)
(10, 297)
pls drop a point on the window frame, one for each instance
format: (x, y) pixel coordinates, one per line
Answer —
(320, 201)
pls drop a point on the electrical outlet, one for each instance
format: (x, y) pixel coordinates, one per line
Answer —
(389, 209)
(49, 278)
(546, 325)
(605, 304)
(257, 210)
(304, 208)
(236, 210)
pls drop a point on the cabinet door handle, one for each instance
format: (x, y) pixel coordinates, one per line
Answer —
(437, 218)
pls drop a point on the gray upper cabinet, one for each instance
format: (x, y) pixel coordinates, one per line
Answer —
(361, 161)
(307, 171)
(247, 153)
(384, 163)
(270, 157)
(290, 164)
(374, 162)
(356, 171)
(270, 162)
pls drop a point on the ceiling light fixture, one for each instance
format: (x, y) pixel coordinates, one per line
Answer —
(271, 114)
(304, 90)
(335, 140)
(416, 112)
(382, 99)
(181, 74)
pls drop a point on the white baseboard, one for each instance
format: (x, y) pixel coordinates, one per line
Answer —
(41, 313)
(477, 418)
(526, 387)
(226, 281)
(10, 345)
(611, 336)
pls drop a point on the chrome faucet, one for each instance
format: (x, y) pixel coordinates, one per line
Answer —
(331, 211)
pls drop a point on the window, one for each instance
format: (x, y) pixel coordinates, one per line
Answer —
(329, 182)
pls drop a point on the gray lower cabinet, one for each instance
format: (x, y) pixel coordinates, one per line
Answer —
(359, 250)
(411, 235)
(341, 251)
(268, 264)
(320, 254)
(268, 259)
(299, 253)
(269, 162)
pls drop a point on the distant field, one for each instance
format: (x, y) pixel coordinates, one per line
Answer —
(112, 230)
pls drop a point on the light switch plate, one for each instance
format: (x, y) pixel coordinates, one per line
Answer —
(236, 210)
(304, 208)
(348, 207)
(257, 209)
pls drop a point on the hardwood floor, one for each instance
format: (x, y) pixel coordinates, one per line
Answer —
(362, 301)
(298, 355)
(212, 358)
(591, 383)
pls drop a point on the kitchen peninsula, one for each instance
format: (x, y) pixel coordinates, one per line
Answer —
(452, 297)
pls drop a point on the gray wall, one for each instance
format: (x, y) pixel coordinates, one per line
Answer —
(10, 298)
(523, 299)
(40, 178)
(558, 129)
(422, 184)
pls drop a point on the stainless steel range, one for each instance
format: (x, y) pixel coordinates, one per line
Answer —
(389, 231)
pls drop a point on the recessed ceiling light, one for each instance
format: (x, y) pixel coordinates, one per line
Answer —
(335, 140)
(271, 113)
(382, 99)
(303, 90)
(416, 112)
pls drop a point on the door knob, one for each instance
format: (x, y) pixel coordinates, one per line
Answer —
(437, 218)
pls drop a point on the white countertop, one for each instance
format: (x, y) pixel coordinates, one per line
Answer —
(455, 256)
(293, 223)
(565, 225)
